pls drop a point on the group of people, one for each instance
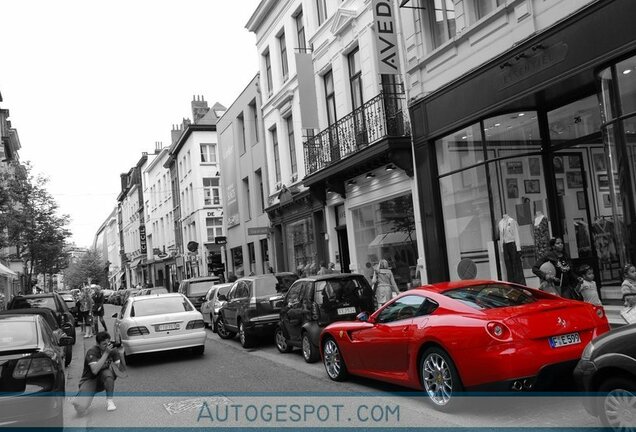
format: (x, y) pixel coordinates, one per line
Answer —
(557, 276)
(91, 309)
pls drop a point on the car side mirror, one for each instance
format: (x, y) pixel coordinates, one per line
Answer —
(114, 315)
(65, 340)
(362, 316)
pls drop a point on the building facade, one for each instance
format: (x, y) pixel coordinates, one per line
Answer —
(519, 109)
(244, 180)
(193, 159)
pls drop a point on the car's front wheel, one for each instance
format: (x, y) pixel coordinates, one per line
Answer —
(281, 341)
(617, 402)
(440, 379)
(222, 330)
(310, 351)
(212, 323)
(333, 361)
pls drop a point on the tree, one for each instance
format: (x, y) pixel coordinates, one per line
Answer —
(89, 267)
(30, 221)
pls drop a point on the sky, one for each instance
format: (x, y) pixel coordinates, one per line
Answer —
(91, 85)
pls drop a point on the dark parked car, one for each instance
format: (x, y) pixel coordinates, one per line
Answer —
(608, 368)
(314, 302)
(252, 306)
(49, 317)
(52, 301)
(195, 289)
(32, 364)
(71, 304)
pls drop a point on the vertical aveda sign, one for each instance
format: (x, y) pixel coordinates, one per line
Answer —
(386, 36)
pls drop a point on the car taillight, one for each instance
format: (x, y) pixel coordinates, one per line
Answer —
(195, 324)
(32, 368)
(315, 313)
(498, 330)
(137, 331)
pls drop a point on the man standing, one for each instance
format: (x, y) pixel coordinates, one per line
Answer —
(101, 367)
(98, 308)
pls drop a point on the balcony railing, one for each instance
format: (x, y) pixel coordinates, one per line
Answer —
(381, 117)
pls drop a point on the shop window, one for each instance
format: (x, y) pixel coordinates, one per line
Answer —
(459, 150)
(252, 256)
(574, 120)
(512, 133)
(237, 261)
(386, 230)
(626, 73)
(301, 247)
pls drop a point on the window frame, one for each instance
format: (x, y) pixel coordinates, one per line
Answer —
(268, 72)
(330, 97)
(301, 39)
(282, 44)
(276, 150)
(291, 142)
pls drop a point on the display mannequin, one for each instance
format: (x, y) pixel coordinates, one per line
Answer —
(509, 235)
(541, 234)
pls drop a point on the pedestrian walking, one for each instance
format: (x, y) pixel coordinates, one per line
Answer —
(102, 366)
(98, 308)
(85, 308)
(384, 283)
(323, 269)
(628, 287)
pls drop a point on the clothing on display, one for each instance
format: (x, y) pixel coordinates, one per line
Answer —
(509, 236)
(541, 235)
(604, 241)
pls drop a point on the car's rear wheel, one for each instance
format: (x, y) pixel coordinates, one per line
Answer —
(198, 350)
(440, 379)
(222, 330)
(333, 361)
(245, 338)
(616, 403)
(281, 341)
(310, 351)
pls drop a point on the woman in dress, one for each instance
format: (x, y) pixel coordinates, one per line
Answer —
(563, 281)
(384, 283)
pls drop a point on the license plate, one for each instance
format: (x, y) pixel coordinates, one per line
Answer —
(563, 340)
(346, 311)
(164, 327)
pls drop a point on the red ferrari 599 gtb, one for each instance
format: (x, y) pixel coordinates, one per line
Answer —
(474, 335)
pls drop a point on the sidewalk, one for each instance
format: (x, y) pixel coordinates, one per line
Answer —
(613, 315)
(73, 375)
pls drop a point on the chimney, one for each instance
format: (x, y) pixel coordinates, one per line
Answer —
(199, 108)
(175, 133)
(158, 147)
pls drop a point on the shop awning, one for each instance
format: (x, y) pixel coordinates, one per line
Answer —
(391, 238)
(134, 263)
(6, 271)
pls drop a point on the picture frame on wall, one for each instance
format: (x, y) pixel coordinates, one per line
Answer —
(574, 162)
(560, 186)
(599, 162)
(532, 186)
(580, 200)
(534, 164)
(557, 162)
(514, 167)
(575, 179)
(512, 188)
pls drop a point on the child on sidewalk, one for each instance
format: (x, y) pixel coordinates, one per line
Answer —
(587, 286)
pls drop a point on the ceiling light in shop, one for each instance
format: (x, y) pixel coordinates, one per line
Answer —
(522, 114)
(464, 137)
(497, 124)
(627, 71)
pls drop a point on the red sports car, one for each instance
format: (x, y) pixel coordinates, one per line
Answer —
(464, 336)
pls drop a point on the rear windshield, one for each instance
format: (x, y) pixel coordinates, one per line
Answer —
(160, 305)
(338, 290)
(266, 286)
(491, 296)
(17, 334)
(199, 288)
(39, 302)
(68, 298)
(158, 291)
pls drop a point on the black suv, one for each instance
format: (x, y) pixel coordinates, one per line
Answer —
(195, 289)
(52, 301)
(252, 306)
(607, 370)
(313, 303)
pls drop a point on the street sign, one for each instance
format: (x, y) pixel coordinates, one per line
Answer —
(220, 240)
(258, 231)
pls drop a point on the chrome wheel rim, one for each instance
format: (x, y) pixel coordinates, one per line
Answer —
(437, 378)
(306, 347)
(280, 340)
(220, 328)
(620, 410)
(333, 362)
(241, 334)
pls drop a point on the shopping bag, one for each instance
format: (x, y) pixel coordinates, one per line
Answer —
(629, 314)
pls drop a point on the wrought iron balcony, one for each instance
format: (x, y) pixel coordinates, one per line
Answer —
(379, 118)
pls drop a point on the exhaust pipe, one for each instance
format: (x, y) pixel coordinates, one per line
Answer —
(527, 384)
(517, 385)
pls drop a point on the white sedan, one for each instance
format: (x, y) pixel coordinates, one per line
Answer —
(159, 322)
